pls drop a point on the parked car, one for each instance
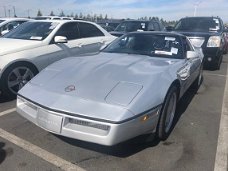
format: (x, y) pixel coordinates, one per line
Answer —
(53, 18)
(205, 32)
(7, 24)
(225, 49)
(131, 88)
(137, 25)
(31, 47)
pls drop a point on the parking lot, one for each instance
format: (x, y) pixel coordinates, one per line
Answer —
(192, 144)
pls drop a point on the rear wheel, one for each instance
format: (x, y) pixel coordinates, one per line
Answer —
(15, 77)
(167, 114)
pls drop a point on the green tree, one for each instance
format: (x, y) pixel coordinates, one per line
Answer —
(106, 16)
(39, 13)
(52, 13)
(95, 17)
(88, 17)
(100, 17)
(62, 14)
(72, 14)
(80, 16)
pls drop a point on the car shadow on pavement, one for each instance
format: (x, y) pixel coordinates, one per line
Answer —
(183, 105)
(122, 150)
(137, 144)
(2, 152)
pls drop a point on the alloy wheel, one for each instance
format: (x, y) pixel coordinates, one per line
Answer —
(18, 77)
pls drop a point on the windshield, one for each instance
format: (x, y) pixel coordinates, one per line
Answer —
(131, 26)
(153, 45)
(198, 24)
(1, 21)
(32, 31)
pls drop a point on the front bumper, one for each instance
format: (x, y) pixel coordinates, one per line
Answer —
(212, 54)
(100, 132)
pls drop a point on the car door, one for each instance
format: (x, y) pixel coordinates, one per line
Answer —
(72, 48)
(92, 39)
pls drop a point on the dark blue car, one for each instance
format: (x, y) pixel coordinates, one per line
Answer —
(207, 33)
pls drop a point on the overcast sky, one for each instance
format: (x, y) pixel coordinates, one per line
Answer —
(167, 9)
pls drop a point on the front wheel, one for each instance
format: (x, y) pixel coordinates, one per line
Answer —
(167, 114)
(15, 77)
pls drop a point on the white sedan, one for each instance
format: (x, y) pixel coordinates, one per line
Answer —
(32, 46)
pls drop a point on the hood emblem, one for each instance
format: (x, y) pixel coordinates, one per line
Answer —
(70, 88)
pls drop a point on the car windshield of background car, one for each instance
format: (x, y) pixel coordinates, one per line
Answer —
(198, 24)
(131, 26)
(32, 31)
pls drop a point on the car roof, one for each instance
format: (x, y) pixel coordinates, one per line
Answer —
(144, 21)
(14, 19)
(158, 33)
(202, 17)
(61, 21)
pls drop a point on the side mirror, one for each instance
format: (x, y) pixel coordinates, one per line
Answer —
(169, 28)
(192, 54)
(60, 39)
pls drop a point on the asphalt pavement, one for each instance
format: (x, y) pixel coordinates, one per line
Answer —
(192, 144)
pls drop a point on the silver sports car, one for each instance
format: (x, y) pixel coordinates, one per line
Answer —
(131, 88)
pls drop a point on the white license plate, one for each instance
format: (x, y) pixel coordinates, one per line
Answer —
(49, 121)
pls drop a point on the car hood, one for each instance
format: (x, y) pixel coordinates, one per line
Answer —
(105, 79)
(15, 45)
(95, 76)
(198, 34)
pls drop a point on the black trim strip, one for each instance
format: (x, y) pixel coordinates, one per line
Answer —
(90, 118)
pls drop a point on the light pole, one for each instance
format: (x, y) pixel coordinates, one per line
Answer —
(14, 11)
(4, 8)
(9, 12)
(28, 12)
(196, 5)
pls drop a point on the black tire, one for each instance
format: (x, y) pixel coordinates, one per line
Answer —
(9, 76)
(162, 130)
(196, 84)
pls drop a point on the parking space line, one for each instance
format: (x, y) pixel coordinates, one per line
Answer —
(7, 111)
(222, 147)
(45, 155)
